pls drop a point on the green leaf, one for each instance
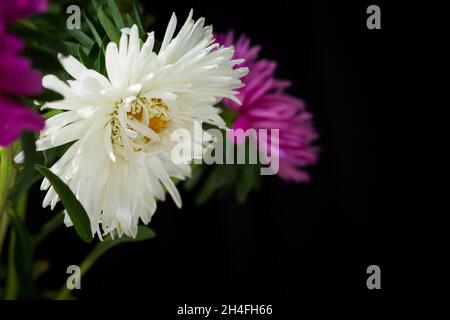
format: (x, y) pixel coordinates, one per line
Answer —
(54, 223)
(43, 58)
(71, 47)
(74, 208)
(144, 233)
(228, 115)
(250, 176)
(83, 38)
(215, 181)
(17, 190)
(88, 59)
(108, 25)
(137, 18)
(11, 286)
(129, 20)
(197, 173)
(94, 32)
(93, 56)
(51, 155)
(29, 150)
(117, 17)
(23, 254)
(47, 44)
(99, 64)
(83, 57)
(95, 5)
(51, 113)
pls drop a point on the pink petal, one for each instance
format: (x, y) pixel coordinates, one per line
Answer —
(13, 10)
(15, 118)
(17, 76)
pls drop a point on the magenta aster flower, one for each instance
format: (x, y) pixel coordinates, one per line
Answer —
(266, 105)
(16, 75)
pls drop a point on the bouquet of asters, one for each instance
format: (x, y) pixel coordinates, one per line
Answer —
(109, 118)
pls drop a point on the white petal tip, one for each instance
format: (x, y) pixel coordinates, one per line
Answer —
(19, 158)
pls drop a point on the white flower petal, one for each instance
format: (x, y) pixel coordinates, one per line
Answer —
(72, 65)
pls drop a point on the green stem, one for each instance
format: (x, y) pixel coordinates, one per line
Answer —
(7, 178)
(21, 206)
(102, 247)
(5, 173)
(88, 262)
(11, 280)
(54, 223)
(4, 223)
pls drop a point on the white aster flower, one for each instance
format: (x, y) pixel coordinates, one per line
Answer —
(120, 162)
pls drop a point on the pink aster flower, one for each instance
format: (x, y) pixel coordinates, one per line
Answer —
(266, 105)
(16, 75)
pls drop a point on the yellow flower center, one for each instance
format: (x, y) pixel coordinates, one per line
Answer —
(150, 112)
(157, 109)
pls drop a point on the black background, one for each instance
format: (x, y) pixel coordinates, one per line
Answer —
(288, 241)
